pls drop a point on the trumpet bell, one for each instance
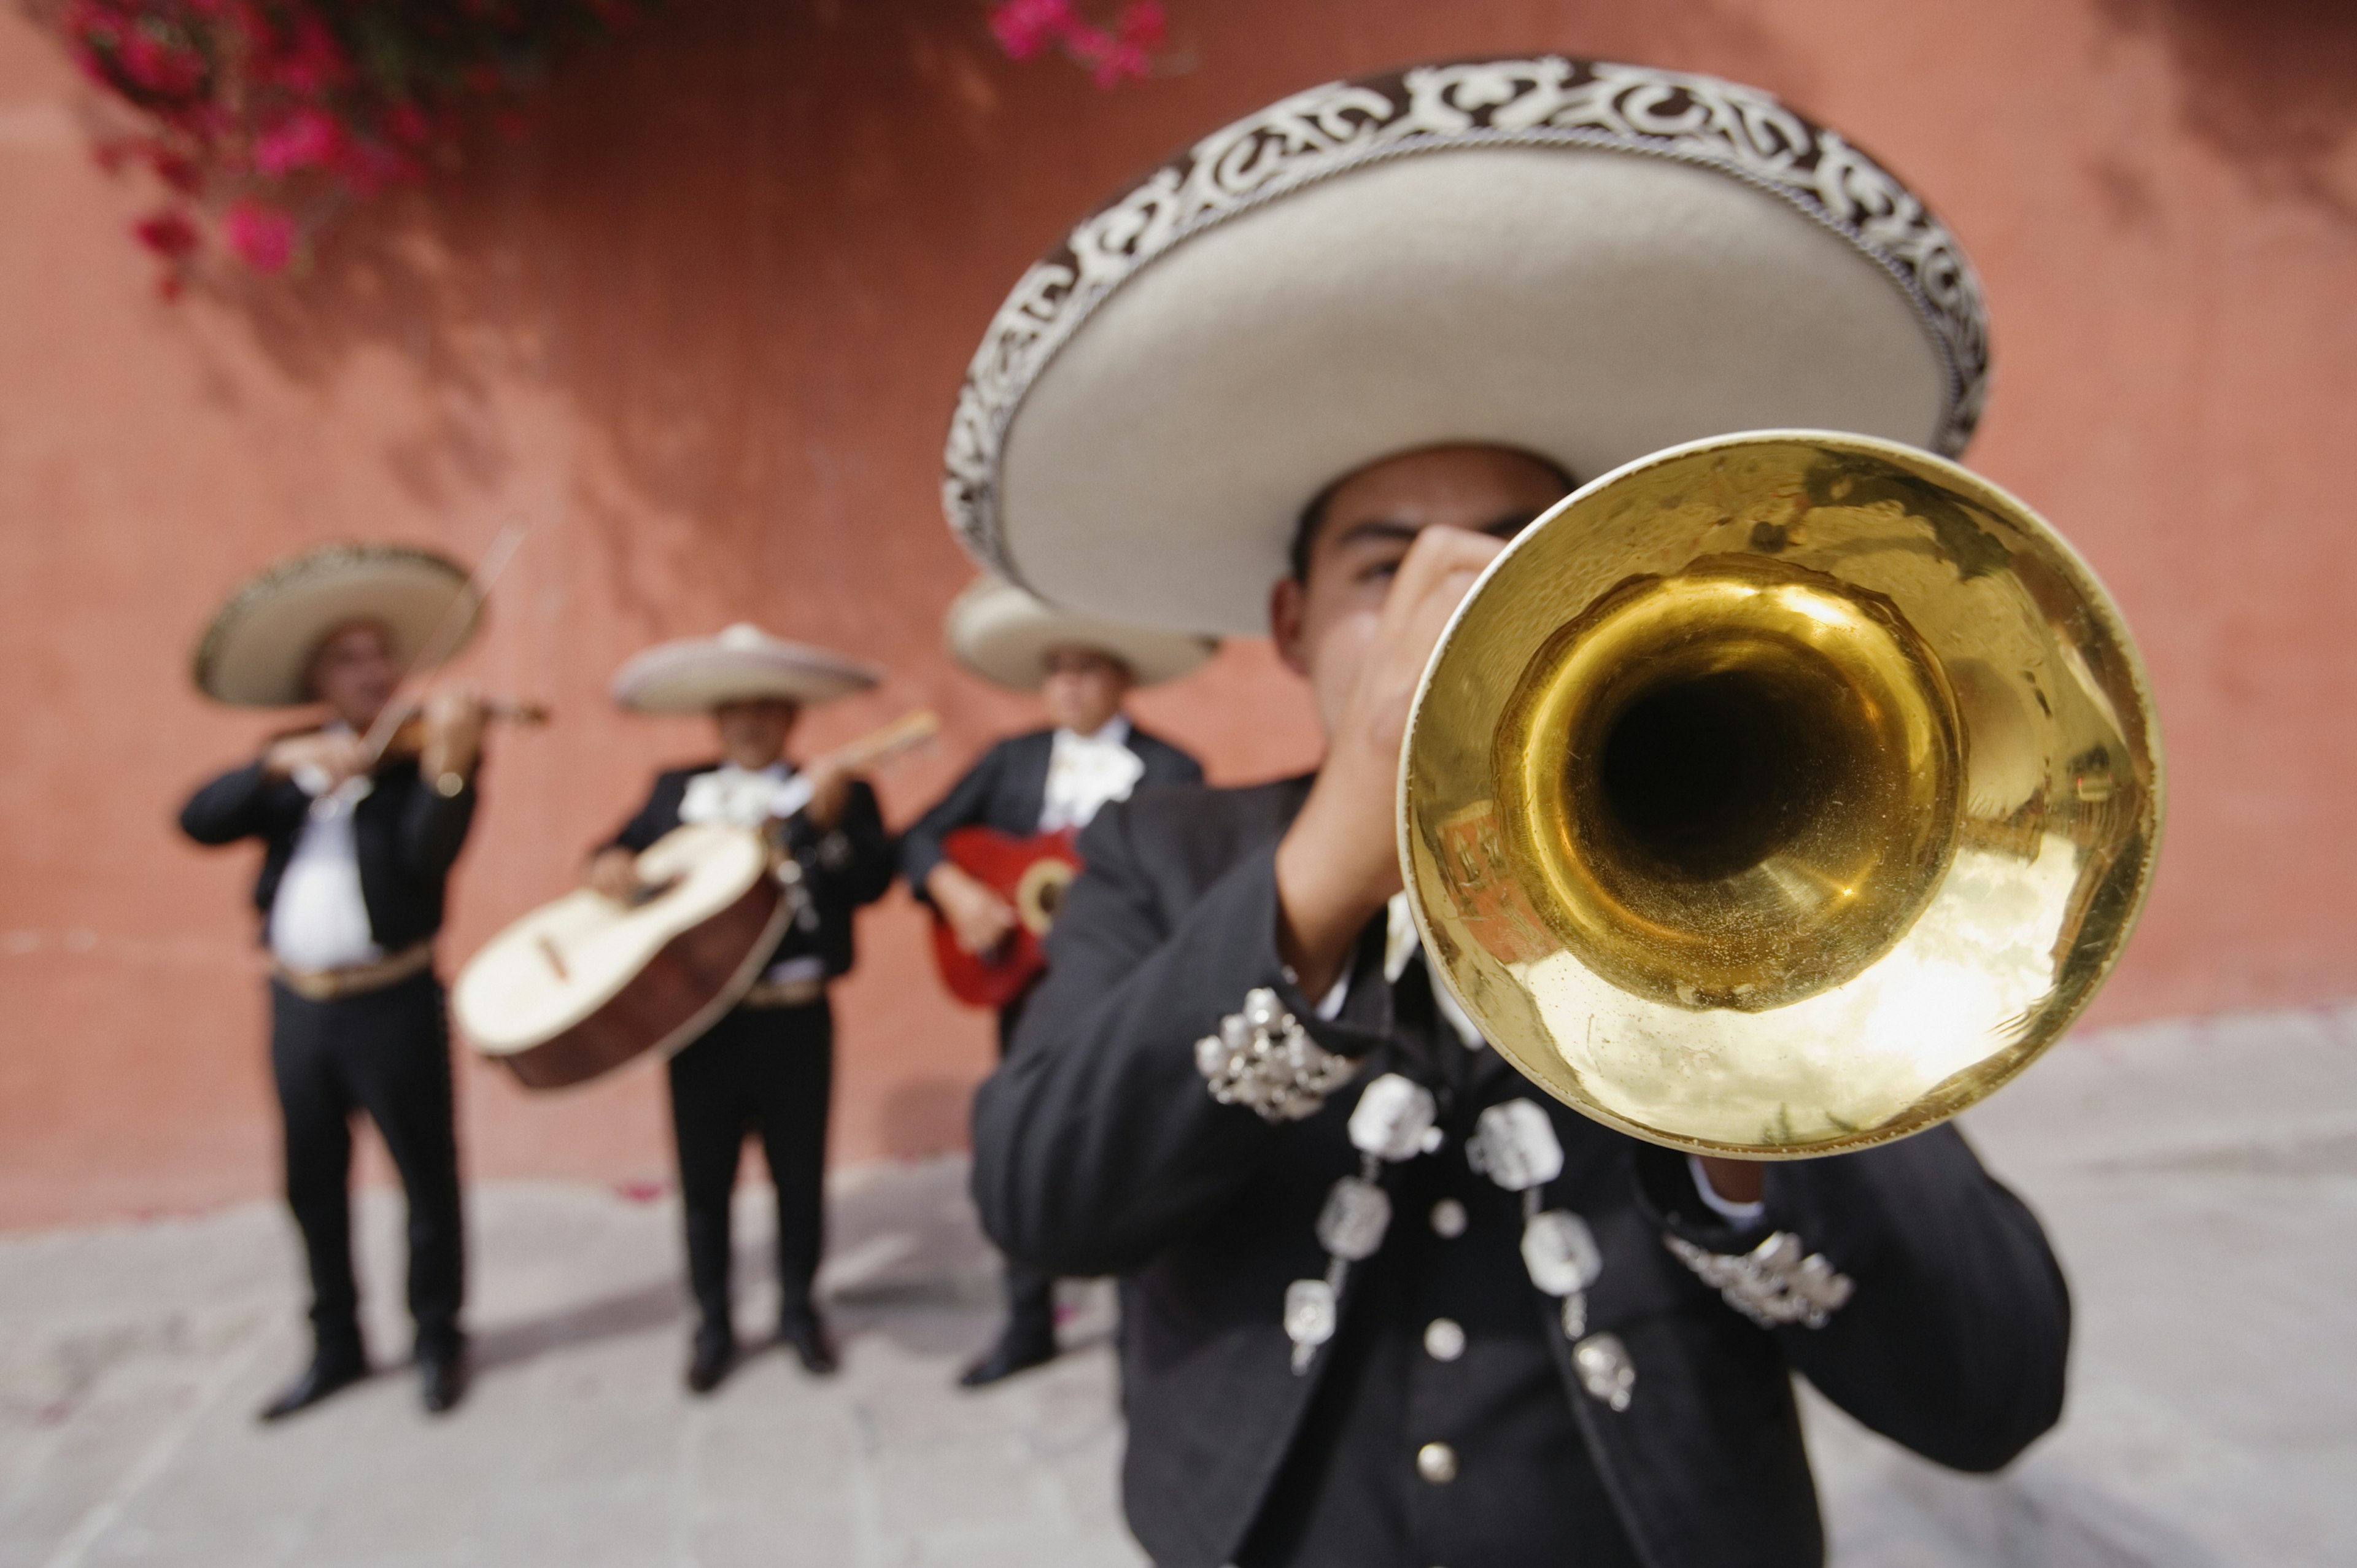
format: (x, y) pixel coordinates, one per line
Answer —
(1779, 794)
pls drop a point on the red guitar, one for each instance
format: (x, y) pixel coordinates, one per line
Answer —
(1030, 874)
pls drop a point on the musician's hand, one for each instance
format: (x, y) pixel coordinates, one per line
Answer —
(1338, 864)
(1737, 1181)
(978, 916)
(830, 785)
(454, 735)
(614, 872)
(329, 757)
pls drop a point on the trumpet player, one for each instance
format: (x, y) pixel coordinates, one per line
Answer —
(1385, 1302)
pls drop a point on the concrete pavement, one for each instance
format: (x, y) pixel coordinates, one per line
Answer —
(2199, 1180)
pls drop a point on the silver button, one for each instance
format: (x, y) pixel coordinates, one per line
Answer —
(1437, 1462)
(1604, 1369)
(1444, 1339)
(1448, 1220)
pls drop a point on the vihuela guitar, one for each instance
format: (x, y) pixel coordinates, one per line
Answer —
(583, 984)
(1031, 873)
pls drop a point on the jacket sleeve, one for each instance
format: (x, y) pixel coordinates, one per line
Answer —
(1096, 1143)
(239, 804)
(856, 861)
(963, 807)
(650, 823)
(432, 827)
(1954, 1339)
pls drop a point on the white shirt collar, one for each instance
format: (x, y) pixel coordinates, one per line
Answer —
(1402, 946)
(1086, 771)
(744, 797)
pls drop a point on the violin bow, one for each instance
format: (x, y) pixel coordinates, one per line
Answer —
(445, 634)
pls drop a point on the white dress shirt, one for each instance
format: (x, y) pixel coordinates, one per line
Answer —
(1402, 944)
(1085, 772)
(747, 798)
(744, 798)
(318, 920)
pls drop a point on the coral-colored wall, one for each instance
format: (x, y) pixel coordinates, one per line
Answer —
(700, 326)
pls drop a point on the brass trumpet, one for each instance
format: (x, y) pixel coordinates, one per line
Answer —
(1780, 794)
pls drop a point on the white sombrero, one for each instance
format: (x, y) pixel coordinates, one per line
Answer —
(1003, 634)
(257, 650)
(1583, 260)
(696, 674)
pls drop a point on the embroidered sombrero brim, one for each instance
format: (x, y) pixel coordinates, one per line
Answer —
(257, 653)
(1004, 635)
(1588, 261)
(743, 663)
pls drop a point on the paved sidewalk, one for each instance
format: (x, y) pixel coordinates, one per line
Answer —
(2201, 1182)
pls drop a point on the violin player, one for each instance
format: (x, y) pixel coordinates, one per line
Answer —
(357, 848)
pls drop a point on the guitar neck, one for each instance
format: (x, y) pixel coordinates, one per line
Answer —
(878, 747)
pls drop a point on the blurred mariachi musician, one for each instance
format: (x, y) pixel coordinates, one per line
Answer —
(356, 851)
(1047, 781)
(1384, 1303)
(767, 1066)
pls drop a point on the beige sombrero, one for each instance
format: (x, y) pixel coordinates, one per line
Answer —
(1580, 259)
(257, 649)
(696, 674)
(1004, 635)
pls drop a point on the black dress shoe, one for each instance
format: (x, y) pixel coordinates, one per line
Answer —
(709, 1362)
(327, 1373)
(809, 1339)
(1014, 1352)
(442, 1376)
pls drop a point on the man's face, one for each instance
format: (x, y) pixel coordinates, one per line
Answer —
(1325, 624)
(353, 671)
(1083, 688)
(753, 732)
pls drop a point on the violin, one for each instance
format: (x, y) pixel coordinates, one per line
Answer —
(402, 739)
(407, 738)
(405, 741)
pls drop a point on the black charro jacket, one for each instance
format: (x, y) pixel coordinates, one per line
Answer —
(843, 869)
(405, 835)
(1008, 788)
(1097, 1150)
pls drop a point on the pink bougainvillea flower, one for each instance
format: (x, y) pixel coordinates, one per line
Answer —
(253, 103)
(168, 233)
(263, 237)
(1117, 63)
(1025, 28)
(406, 123)
(307, 138)
(308, 61)
(1144, 25)
(1112, 58)
(161, 66)
(176, 169)
(367, 166)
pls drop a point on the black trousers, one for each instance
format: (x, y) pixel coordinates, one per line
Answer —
(1030, 1292)
(386, 1053)
(765, 1071)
